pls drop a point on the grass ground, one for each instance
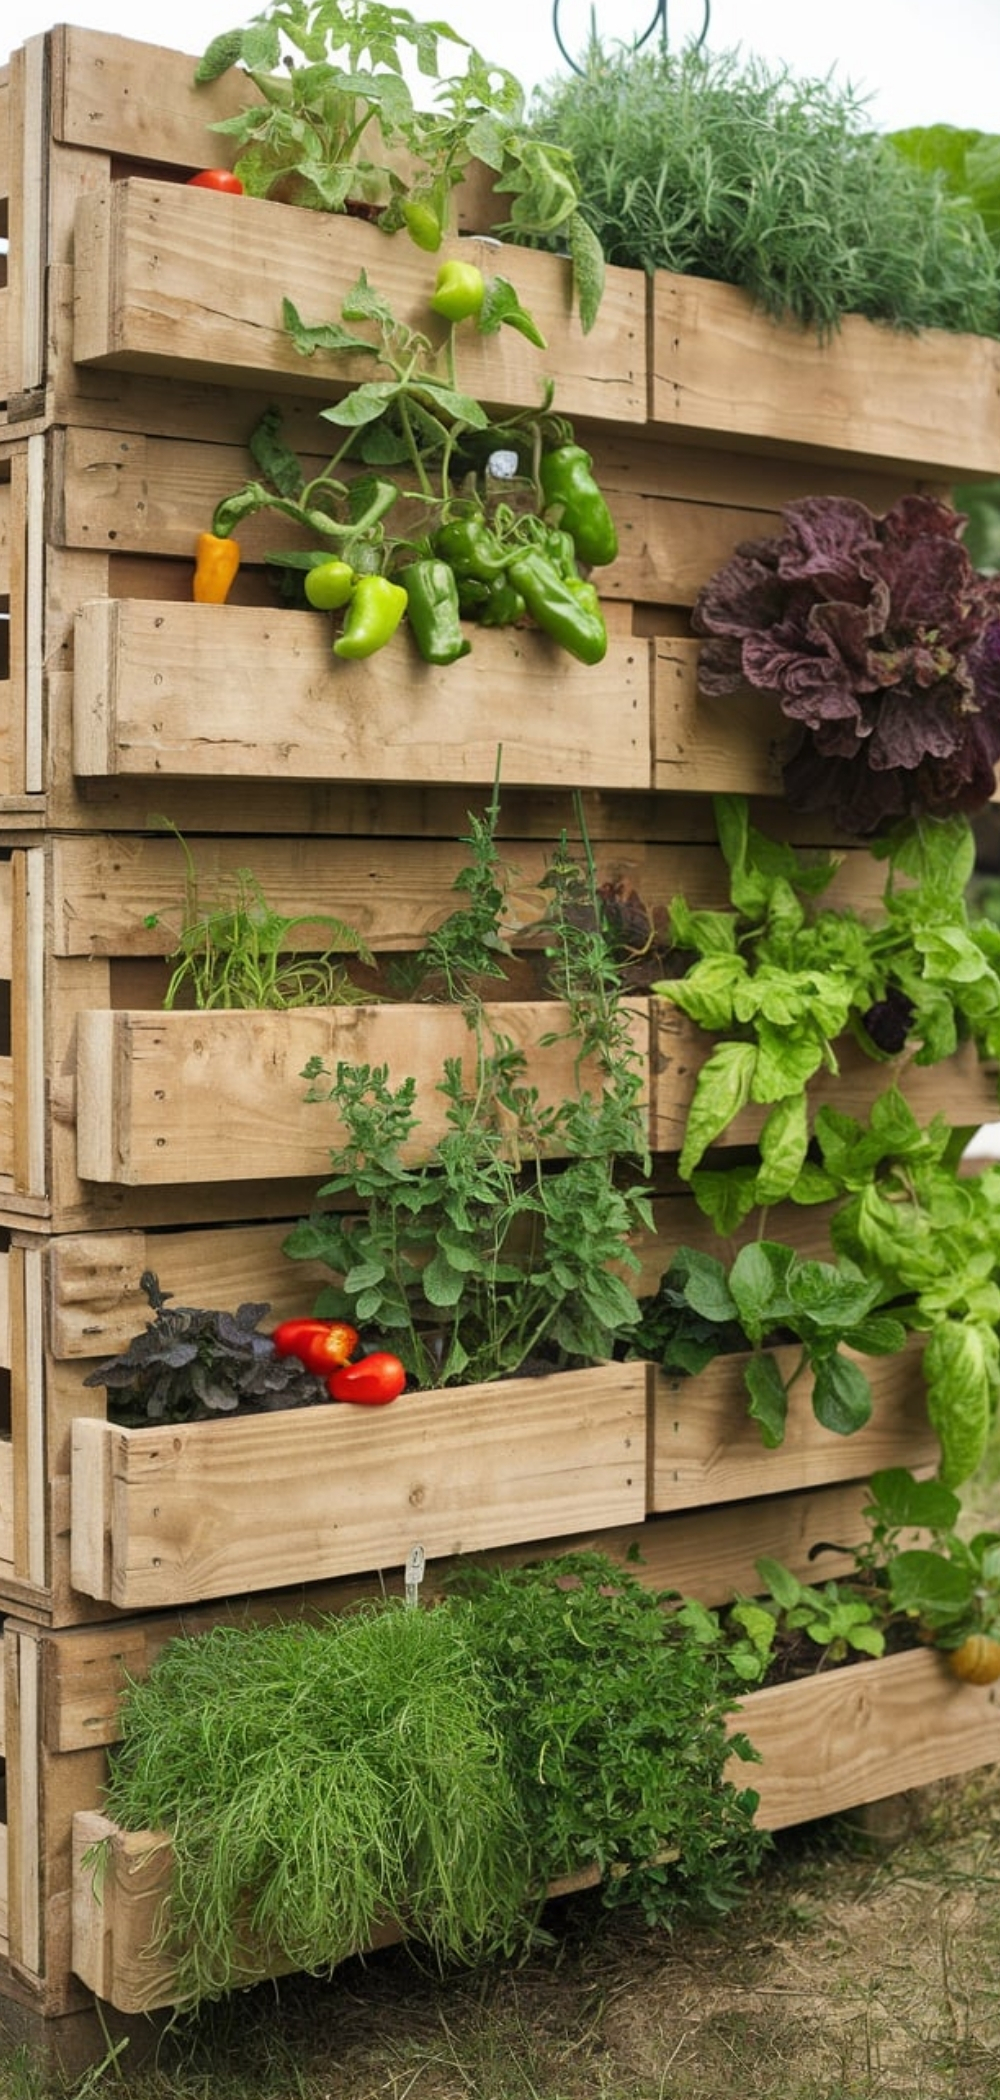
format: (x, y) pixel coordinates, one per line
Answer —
(858, 1966)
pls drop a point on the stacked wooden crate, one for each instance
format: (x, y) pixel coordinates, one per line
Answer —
(140, 339)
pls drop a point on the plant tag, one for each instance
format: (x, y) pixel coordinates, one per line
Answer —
(414, 1573)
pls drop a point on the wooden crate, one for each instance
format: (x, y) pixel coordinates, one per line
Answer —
(61, 1688)
(87, 921)
(210, 1509)
(76, 1299)
(826, 1743)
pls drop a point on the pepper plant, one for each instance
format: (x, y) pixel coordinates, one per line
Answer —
(491, 523)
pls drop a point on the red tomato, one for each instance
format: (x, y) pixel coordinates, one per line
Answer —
(372, 1381)
(291, 1337)
(217, 179)
(329, 1349)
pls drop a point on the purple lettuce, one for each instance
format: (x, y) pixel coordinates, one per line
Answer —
(883, 644)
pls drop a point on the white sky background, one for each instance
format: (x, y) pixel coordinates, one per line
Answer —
(918, 62)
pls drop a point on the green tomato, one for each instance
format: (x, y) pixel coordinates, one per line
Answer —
(422, 224)
(329, 585)
(459, 291)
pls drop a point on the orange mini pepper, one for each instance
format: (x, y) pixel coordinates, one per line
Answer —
(215, 566)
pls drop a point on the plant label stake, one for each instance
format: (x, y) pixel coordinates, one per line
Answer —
(414, 1574)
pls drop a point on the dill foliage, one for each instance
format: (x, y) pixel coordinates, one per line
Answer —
(317, 1780)
(712, 165)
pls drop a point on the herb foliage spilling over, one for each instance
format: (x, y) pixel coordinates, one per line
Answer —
(479, 1260)
(883, 645)
(713, 166)
(317, 1780)
(614, 1717)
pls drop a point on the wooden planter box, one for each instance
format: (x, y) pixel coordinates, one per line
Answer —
(205, 1097)
(704, 1447)
(210, 1509)
(162, 286)
(826, 1742)
(189, 691)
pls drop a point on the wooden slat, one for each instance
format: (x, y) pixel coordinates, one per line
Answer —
(836, 1740)
(202, 1097)
(963, 1085)
(726, 746)
(162, 287)
(719, 366)
(705, 1449)
(96, 1304)
(6, 1516)
(211, 1509)
(117, 895)
(189, 690)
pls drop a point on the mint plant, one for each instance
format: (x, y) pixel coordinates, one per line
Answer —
(480, 1260)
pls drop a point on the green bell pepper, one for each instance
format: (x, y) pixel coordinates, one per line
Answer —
(470, 549)
(568, 484)
(569, 612)
(377, 605)
(433, 611)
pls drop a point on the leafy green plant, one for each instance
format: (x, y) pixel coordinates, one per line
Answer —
(929, 1236)
(948, 1586)
(317, 1780)
(715, 166)
(470, 943)
(613, 1711)
(835, 1618)
(770, 1294)
(479, 1259)
(189, 1364)
(239, 951)
(326, 129)
(780, 981)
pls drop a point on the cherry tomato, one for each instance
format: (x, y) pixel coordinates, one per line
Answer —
(291, 1336)
(372, 1381)
(330, 1348)
(217, 179)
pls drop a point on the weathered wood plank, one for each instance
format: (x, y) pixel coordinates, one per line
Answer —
(838, 1739)
(108, 888)
(201, 1096)
(162, 287)
(725, 746)
(189, 690)
(705, 1449)
(720, 367)
(210, 1509)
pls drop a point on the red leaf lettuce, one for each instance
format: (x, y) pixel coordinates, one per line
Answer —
(883, 644)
